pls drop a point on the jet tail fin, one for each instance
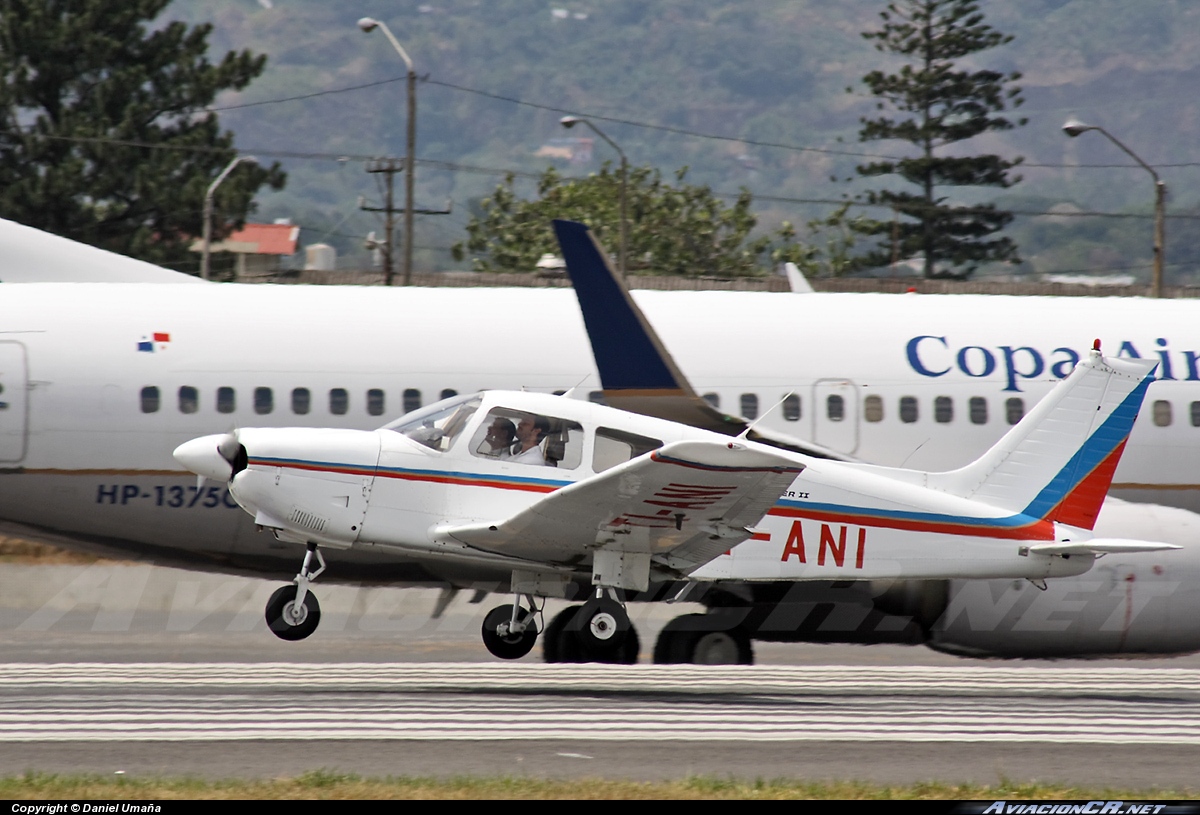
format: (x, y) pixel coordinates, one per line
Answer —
(1057, 463)
(636, 371)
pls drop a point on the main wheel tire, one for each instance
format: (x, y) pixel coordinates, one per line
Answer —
(601, 627)
(559, 642)
(696, 639)
(289, 621)
(508, 646)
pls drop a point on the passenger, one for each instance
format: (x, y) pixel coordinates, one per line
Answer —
(530, 432)
(499, 439)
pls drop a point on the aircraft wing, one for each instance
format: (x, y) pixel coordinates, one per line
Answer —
(681, 506)
(637, 372)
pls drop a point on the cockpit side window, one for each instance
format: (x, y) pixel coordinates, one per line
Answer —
(521, 437)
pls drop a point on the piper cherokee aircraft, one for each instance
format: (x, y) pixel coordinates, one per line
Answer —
(100, 381)
(554, 491)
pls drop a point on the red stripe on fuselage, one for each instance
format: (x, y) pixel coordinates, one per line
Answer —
(1039, 530)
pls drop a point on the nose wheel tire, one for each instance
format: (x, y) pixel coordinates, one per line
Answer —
(290, 620)
(500, 641)
(601, 626)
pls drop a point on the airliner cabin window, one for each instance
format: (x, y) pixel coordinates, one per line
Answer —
(412, 399)
(615, 447)
(339, 401)
(1014, 409)
(977, 407)
(150, 399)
(226, 400)
(835, 408)
(908, 409)
(791, 408)
(520, 437)
(873, 408)
(440, 424)
(749, 405)
(1161, 413)
(448, 392)
(375, 401)
(301, 401)
(264, 401)
(943, 409)
(1195, 414)
(189, 399)
(713, 399)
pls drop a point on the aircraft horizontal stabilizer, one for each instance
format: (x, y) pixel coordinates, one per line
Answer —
(1101, 546)
(683, 504)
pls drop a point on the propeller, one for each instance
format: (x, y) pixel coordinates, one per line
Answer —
(219, 457)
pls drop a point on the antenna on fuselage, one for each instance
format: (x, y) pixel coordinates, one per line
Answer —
(764, 415)
(569, 393)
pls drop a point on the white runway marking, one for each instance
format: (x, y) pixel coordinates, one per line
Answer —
(206, 702)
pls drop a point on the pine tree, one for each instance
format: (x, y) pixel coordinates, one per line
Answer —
(939, 104)
(84, 85)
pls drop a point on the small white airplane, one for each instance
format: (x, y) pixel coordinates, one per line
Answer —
(558, 491)
(100, 381)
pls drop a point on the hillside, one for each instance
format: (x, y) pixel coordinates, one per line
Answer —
(758, 90)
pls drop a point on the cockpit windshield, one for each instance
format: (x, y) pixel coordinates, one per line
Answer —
(439, 424)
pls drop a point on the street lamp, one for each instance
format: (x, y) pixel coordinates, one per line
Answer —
(208, 212)
(368, 24)
(1073, 128)
(569, 122)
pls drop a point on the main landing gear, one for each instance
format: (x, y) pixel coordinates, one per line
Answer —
(293, 612)
(596, 631)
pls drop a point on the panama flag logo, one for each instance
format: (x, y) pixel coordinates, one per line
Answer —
(152, 342)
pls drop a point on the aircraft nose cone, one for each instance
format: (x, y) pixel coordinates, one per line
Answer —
(206, 456)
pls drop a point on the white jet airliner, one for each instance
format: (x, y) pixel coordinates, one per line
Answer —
(100, 382)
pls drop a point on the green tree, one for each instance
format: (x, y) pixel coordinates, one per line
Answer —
(940, 104)
(84, 86)
(679, 229)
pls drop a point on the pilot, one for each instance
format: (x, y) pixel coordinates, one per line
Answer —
(530, 432)
(499, 439)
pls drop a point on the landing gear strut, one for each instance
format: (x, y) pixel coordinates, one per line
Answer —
(510, 631)
(293, 612)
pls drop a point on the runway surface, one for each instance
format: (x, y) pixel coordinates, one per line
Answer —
(148, 671)
(879, 721)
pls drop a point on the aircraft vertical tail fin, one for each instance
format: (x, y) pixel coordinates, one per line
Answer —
(629, 355)
(636, 371)
(1057, 463)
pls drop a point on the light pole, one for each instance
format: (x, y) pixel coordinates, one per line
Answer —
(569, 122)
(368, 25)
(1073, 128)
(208, 212)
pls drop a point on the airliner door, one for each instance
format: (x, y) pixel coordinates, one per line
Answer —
(835, 414)
(13, 396)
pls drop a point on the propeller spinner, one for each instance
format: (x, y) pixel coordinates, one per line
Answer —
(219, 457)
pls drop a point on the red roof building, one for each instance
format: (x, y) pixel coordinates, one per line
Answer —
(259, 248)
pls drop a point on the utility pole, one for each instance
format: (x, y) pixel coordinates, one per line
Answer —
(389, 167)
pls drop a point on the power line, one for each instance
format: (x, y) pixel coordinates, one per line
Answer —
(649, 126)
(502, 172)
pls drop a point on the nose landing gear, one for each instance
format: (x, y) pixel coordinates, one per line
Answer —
(510, 631)
(293, 612)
